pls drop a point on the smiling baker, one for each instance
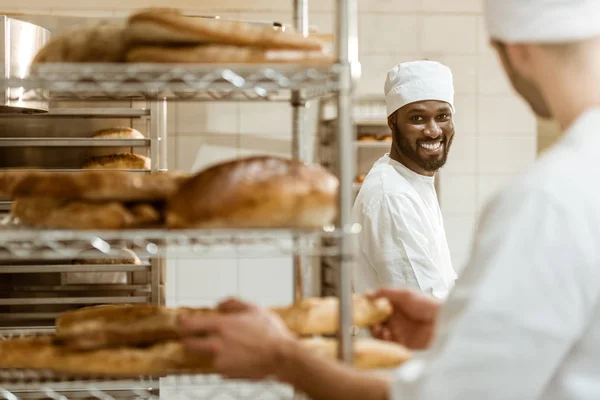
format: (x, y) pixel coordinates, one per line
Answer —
(402, 242)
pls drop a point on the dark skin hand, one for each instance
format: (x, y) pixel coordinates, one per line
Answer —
(413, 321)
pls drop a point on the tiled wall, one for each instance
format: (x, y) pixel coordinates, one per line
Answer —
(495, 137)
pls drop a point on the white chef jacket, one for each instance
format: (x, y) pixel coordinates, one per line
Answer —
(523, 322)
(402, 242)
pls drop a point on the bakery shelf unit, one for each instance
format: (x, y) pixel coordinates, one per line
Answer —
(295, 84)
(36, 287)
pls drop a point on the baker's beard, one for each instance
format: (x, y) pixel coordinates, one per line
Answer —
(430, 164)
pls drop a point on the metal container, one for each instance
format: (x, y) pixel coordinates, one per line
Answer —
(20, 43)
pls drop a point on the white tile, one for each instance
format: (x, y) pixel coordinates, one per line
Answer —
(273, 145)
(266, 279)
(505, 154)
(483, 38)
(263, 118)
(323, 22)
(462, 158)
(504, 115)
(455, 6)
(374, 72)
(196, 117)
(385, 34)
(198, 152)
(491, 78)
(449, 34)
(268, 16)
(172, 153)
(464, 70)
(211, 278)
(489, 186)
(458, 193)
(385, 6)
(459, 233)
(465, 118)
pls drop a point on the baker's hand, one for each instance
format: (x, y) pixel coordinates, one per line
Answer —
(413, 320)
(246, 342)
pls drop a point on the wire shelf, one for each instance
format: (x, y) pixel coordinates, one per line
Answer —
(196, 82)
(21, 242)
(41, 384)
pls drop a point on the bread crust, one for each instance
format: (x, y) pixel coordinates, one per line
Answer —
(101, 42)
(118, 161)
(42, 353)
(118, 132)
(368, 353)
(256, 192)
(170, 26)
(127, 324)
(223, 54)
(99, 186)
(320, 316)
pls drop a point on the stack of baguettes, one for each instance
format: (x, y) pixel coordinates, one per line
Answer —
(260, 192)
(135, 340)
(158, 35)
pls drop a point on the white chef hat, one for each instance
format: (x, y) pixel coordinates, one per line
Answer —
(542, 21)
(414, 81)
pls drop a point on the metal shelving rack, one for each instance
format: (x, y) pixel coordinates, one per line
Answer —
(36, 292)
(160, 83)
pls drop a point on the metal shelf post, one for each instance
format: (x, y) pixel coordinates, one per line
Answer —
(347, 54)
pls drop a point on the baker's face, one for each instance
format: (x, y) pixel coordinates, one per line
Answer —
(423, 133)
(527, 89)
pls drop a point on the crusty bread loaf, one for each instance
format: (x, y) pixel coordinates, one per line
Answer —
(42, 353)
(115, 325)
(59, 214)
(99, 185)
(120, 325)
(9, 180)
(170, 26)
(101, 42)
(256, 192)
(170, 357)
(368, 353)
(118, 161)
(320, 316)
(93, 256)
(118, 132)
(223, 54)
(64, 214)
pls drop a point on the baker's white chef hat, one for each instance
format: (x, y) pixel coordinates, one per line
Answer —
(542, 21)
(414, 81)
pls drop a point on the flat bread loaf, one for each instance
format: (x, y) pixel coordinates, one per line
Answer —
(99, 186)
(368, 353)
(101, 42)
(42, 353)
(256, 192)
(119, 132)
(118, 161)
(320, 316)
(134, 324)
(223, 54)
(169, 26)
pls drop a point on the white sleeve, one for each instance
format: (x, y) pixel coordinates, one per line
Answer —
(395, 243)
(525, 297)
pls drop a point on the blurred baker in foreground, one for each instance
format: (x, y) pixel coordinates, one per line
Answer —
(523, 322)
(402, 242)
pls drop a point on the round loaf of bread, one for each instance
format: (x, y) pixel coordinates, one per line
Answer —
(118, 161)
(118, 132)
(93, 256)
(256, 192)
